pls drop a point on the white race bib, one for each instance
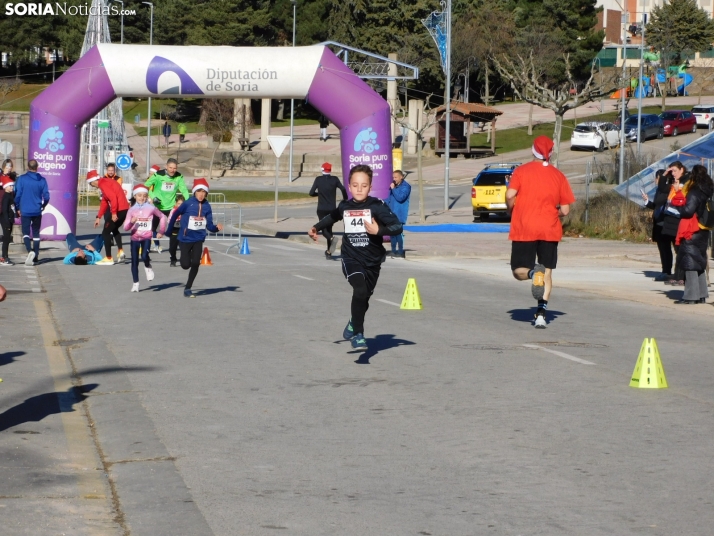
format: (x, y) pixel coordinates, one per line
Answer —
(168, 186)
(196, 223)
(143, 224)
(354, 220)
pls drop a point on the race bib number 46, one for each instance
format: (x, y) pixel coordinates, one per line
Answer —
(168, 187)
(196, 224)
(143, 225)
(354, 220)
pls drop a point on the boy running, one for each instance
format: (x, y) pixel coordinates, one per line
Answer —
(538, 196)
(367, 220)
(164, 185)
(114, 199)
(138, 222)
(196, 219)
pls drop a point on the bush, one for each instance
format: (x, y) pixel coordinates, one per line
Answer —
(610, 216)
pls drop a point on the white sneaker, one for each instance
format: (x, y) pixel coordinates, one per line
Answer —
(159, 250)
(153, 248)
(149, 274)
(540, 322)
(30, 259)
(135, 287)
(120, 256)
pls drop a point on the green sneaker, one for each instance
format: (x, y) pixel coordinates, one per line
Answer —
(348, 333)
(359, 342)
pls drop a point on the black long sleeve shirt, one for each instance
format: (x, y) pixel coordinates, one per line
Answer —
(325, 189)
(357, 244)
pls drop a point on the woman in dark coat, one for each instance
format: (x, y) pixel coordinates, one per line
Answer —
(664, 242)
(693, 251)
(677, 177)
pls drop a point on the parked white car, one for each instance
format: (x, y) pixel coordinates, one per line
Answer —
(595, 136)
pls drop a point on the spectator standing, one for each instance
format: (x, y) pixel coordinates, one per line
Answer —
(398, 201)
(677, 176)
(692, 236)
(182, 132)
(7, 216)
(664, 242)
(31, 198)
(166, 130)
(325, 189)
(324, 123)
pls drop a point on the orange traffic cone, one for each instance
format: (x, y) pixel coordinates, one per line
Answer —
(206, 258)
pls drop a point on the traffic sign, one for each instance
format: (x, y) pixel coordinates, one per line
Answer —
(278, 144)
(5, 147)
(124, 161)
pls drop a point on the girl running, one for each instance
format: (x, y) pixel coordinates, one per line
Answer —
(196, 219)
(367, 220)
(138, 222)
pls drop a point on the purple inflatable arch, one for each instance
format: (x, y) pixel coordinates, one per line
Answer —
(108, 71)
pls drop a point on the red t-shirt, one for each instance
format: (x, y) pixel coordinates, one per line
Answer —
(541, 189)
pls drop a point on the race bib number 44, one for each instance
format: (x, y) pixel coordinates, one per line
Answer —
(168, 187)
(196, 223)
(354, 220)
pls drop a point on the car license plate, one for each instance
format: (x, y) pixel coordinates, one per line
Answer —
(497, 205)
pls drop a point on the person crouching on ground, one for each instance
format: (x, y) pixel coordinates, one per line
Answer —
(138, 222)
(537, 197)
(367, 220)
(196, 220)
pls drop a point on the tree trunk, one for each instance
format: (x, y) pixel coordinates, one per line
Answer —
(213, 157)
(556, 138)
(487, 98)
(422, 219)
(530, 119)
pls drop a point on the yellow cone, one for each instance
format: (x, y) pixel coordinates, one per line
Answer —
(649, 372)
(411, 299)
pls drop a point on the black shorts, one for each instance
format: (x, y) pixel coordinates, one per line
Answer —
(351, 267)
(523, 254)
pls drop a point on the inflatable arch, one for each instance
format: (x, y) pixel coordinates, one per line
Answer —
(108, 71)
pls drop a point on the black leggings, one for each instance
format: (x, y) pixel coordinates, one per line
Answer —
(144, 245)
(173, 246)
(664, 244)
(6, 236)
(363, 280)
(111, 228)
(191, 259)
(327, 231)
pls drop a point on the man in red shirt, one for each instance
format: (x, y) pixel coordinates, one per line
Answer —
(537, 197)
(113, 198)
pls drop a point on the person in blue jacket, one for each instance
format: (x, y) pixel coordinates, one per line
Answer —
(80, 255)
(197, 220)
(31, 198)
(398, 202)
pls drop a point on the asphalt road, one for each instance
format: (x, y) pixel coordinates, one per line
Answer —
(244, 412)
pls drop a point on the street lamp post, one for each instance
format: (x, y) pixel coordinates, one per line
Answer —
(148, 131)
(122, 20)
(639, 82)
(623, 92)
(292, 105)
(447, 144)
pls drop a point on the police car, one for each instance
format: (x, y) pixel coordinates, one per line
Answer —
(488, 193)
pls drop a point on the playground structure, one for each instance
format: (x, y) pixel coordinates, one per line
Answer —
(108, 71)
(657, 80)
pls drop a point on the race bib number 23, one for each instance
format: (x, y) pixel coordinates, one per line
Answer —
(354, 220)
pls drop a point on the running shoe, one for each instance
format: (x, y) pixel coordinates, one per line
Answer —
(538, 285)
(6, 262)
(328, 255)
(172, 264)
(348, 333)
(30, 259)
(540, 322)
(333, 246)
(106, 261)
(159, 250)
(153, 248)
(359, 342)
(188, 293)
(135, 287)
(149, 274)
(120, 256)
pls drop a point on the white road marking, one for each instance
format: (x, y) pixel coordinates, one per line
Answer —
(559, 354)
(389, 302)
(284, 248)
(303, 277)
(233, 257)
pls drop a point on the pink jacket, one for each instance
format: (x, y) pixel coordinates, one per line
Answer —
(144, 214)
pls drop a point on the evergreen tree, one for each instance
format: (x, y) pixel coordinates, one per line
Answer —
(679, 27)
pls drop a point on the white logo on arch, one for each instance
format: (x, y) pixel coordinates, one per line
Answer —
(62, 226)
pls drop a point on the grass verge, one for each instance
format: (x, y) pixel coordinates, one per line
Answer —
(611, 217)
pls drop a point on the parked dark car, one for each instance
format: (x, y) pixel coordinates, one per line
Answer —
(678, 122)
(651, 127)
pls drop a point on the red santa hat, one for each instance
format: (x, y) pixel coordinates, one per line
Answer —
(92, 175)
(543, 148)
(140, 189)
(7, 181)
(326, 167)
(199, 184)
(155, 168)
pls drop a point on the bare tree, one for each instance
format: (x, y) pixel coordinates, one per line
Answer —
(7, 86)
(423, 124)
(218, 122)
(531, 86)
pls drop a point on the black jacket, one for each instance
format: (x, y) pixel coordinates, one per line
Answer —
(692, 254)
(660, 201)
(325, 189)
(670, 224)
(364, 248)
(7, 208)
